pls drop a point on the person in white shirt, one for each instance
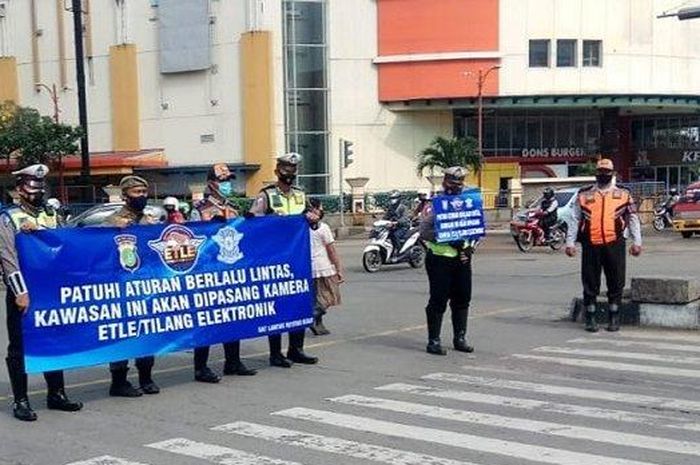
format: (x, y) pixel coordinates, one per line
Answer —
(326, 266)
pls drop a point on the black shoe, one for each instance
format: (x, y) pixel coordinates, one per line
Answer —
(205, 375)
(239, 369)
(124, 390)
(23, 411)
(613, 319)
(149, 388)
(322, 330)
(461, 345)
(591, 322)
(298, 356)
(59, 401)
(434, 347)
(279, 360)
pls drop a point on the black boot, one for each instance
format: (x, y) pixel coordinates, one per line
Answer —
(460, 343)
(322, 330)
(314, 328)
(613, 318)
(238, 368)
(295, 353)
(206, 375)
(121, 387)
(279, 360)
(435, 347)
(146, 383)
(57, 400)
(591, 322)
(434, 326)
(22, 410)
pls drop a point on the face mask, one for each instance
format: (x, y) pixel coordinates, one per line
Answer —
(288, 179)
(225, 188)
(137, 203)
(603, 179)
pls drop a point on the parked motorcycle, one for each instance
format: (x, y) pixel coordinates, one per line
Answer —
(662, 217)
(381, 251)
(527, 233)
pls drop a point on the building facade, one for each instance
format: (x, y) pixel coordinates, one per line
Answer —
(175, 85)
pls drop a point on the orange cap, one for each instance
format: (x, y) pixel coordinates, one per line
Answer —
(605, 164)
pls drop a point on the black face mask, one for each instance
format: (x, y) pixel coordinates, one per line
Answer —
(603, 179)
(137, 203)
(288, 179)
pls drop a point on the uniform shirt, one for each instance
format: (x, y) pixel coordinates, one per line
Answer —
(212, 208)
(261, 205)
(321, 237)
(629, 216)
(125, 216)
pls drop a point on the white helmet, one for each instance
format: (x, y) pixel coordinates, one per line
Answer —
(54, 203)
(424, 193)
(171, 202)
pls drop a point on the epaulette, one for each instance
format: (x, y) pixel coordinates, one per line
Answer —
(586, 188)
(270, 187)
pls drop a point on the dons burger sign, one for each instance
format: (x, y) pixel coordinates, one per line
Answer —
(566, 152)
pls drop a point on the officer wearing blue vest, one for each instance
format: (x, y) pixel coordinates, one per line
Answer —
(283, 198)
(28, 214)
(449, 274)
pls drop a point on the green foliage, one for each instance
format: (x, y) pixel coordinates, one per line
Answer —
(588, 169)
(32, 138)
(445, 153)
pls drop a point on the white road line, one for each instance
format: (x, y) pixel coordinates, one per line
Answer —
(333, 445)
(452, 439)
(659, 335)
(215, 454)
(627, 343)
(652, 357)
(587, 363)
(106, 460)
(542, 406)
(641, 400)
(522, 424)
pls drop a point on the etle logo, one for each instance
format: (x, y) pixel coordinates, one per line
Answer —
(178, 247)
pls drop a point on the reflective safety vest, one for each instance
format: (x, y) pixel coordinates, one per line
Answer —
(442, 250)
(19, 216)
(604, 213)
(278, 203)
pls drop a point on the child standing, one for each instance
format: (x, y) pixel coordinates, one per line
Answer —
(327, 269)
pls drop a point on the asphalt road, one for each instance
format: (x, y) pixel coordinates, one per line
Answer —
(537, 390)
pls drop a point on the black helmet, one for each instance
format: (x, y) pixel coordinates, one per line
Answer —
(673, 191)
(548, 193)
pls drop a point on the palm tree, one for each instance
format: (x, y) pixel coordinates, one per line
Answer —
(444, 153)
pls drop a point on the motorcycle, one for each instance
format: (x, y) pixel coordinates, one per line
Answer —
(528, 233)
(381, 251)
(662, 217)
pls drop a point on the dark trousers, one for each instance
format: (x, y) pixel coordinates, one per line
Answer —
(232, 352)
(296, 342)
(450, 280)
(15, 354)
(611, 260)
(143, 364)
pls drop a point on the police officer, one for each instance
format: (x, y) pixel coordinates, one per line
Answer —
(28, 214)
(217, 207)
(135, 195)
(283, 198)
(449, 274)
(600, 217)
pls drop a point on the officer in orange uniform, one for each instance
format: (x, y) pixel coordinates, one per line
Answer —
(601, 216)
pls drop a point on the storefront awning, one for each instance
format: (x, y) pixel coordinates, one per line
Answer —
(651, 102)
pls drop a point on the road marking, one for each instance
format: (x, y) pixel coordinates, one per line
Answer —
(453, 439)
(626, 343)
(317, 345)
(659, 335)
(541, 406)
(639, 400)
(587, 363)
(521, 424)
(106, 460)
(615, 354)
(215, 454)
(333, 445)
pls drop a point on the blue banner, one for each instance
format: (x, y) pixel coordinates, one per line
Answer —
(459, 217)
(105, 294)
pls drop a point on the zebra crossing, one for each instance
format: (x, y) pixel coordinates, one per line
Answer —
(479, 414)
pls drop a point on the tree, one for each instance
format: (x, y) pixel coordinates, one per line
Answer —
(444, 153)
(588, 169)
(31, 138)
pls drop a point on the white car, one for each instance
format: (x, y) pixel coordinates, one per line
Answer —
(566, 199)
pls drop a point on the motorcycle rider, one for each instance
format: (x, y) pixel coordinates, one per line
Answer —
(397, 213)
(548, 212)
(170, 204)
(671, 201)
(421, 201)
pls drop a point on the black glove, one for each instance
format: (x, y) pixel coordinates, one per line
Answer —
(465, 255)
(459, 245)
(248, 215)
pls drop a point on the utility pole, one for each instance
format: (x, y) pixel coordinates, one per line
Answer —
(82, 97)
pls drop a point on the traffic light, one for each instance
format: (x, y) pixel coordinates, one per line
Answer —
(689, 13)
(347, 153)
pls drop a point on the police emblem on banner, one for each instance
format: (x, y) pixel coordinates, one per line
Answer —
(128, 253)
(178, 247)
(228, 239)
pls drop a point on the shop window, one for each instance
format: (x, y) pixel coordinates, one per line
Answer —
(592, 53)
(534, 133)
(503, 134)
(566, 53)
(548, 132)
(489, 127)
(564, 132)
(539, 54)
(519, 134)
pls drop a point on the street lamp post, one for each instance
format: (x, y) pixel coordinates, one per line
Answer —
(53, 93)
(481, 80)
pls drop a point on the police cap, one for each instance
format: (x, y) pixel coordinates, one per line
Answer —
(130, 181)
(220, 172)
(38, 171)
(291, 158)
(455, 173)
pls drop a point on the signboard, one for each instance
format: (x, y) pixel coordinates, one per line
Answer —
(459, 217)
